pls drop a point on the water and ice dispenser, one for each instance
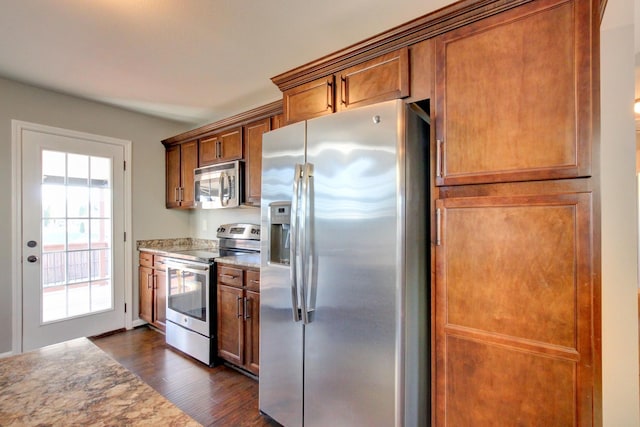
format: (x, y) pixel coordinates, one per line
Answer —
(280, 232)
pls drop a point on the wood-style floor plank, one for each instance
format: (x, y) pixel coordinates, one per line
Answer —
(217, 396)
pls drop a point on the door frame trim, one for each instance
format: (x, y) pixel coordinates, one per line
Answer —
(17, 127)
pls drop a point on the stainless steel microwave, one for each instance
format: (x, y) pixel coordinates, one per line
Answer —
(219, 186)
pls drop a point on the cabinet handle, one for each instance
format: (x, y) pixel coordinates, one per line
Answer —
(246, 309)
(228, 276)
(218, 150)
(257, 282)
(343, 90)
(155, 281)
(175, 194)
(329, 96)
(149, 281)
(438, 227)
(238, 307)
(181, 193)
(439, 158)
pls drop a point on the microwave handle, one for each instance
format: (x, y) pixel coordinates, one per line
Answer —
(224, 175)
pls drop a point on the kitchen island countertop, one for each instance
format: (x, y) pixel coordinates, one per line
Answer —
(76, 383)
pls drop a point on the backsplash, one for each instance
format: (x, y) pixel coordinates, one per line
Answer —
(205, 222)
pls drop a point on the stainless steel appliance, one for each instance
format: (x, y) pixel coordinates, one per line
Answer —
(191, 290)
(344, 325)
(219, 186)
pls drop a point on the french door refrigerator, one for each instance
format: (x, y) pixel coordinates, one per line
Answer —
(344, 321)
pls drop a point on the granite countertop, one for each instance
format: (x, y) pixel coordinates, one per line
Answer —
(76, 383)
(244, 260)
(168, 247)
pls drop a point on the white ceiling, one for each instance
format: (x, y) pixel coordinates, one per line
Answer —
(195, 61)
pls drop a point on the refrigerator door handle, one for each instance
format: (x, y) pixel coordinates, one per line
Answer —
(293, 247)
(306, 233)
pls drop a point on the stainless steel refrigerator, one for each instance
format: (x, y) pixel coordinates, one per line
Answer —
(344, 303)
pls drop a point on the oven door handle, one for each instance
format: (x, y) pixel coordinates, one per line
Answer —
(192, 267)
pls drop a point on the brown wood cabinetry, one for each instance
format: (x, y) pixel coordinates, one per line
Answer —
(253, 159)
(313, 99)
(514, 324)
(180, 161)
(383, 78)
(380, 79)
(217, 142)
(239, 316)
(517, 294)
(152, 289)
(221, 147)
(510, 102)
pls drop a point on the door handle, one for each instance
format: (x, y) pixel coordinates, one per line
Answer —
(246, 309)
(32, 258)
(238, 307)
(293, 247)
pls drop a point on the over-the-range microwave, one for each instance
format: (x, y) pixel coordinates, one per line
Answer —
(219, 186)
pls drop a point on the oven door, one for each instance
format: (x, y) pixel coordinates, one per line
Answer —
(188, 295)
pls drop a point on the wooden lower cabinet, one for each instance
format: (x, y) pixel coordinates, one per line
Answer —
(239, 317)
(152, 289)
(515, 313)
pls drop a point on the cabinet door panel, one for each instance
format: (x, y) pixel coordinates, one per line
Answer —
(253, 158)
(173, 175)
(514, 296)
(377, 80)
(209, 150)
(309, 100)
(508, 97)
(145, 286)
(252, 332)
(189, 160)
(231, 145)
(160, 299)
(230, 322)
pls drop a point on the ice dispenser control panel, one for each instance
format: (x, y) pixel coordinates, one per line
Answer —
(280, 231)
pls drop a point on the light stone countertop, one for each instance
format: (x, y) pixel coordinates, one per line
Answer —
(76, 383)
(244, 260)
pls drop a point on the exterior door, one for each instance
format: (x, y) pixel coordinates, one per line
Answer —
(72, 236)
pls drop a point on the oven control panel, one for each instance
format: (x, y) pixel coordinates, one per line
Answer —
(239, 231)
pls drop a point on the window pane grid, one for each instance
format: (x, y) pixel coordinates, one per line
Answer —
(76, 230)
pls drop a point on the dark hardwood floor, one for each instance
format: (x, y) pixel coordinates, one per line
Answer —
(217, 396)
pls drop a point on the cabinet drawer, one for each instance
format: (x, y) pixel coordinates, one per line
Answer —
(159, 262)
(146, 259)
(230, 276)
(253, 280)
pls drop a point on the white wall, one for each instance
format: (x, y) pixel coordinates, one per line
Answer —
(150, 218)
(619, 219)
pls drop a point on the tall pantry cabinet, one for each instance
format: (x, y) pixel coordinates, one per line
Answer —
(516, 278)
(512, 89)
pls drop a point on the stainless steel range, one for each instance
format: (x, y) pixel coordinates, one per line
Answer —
(191, 290)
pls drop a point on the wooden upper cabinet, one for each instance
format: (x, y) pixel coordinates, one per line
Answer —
(514, 96)
(277, 121)
(189, 159)
(180, 161)
(313, 99)
(381, 79)
(173, 176)
(253, 159)
(221, 147)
